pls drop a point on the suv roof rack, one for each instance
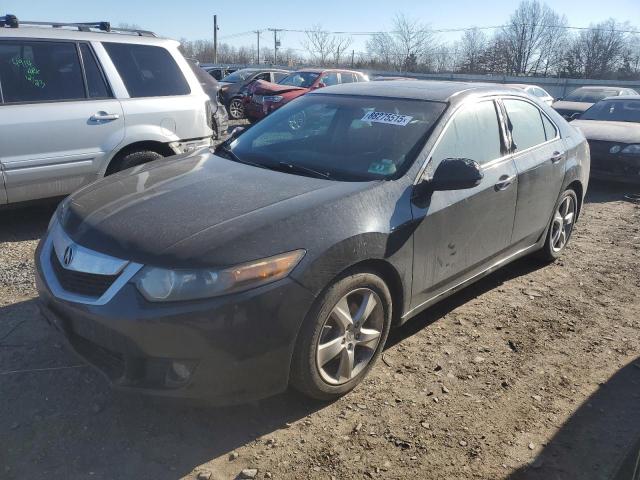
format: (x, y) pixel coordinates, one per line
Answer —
(11, 21)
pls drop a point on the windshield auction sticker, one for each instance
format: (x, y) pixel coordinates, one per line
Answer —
(388, 118)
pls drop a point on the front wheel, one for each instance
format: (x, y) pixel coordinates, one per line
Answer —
(561, 226)
(236, 109)
(342, 337)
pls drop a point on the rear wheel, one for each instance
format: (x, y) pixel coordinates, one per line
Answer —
(561, 226)
(236, 109)
(342, 337)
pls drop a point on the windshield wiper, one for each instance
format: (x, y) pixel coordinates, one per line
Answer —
(226, 150)
(290, 167)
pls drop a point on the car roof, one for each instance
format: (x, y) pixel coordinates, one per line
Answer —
(48, 33)
(320, 70)
(437, 91)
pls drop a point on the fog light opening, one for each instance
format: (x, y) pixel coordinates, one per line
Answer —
(179, 373)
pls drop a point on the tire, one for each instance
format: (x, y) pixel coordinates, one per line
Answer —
(560, 227)
(236, 109)
(133, 159)
(325, 349)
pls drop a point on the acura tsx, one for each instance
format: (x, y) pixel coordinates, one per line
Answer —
(283, 257)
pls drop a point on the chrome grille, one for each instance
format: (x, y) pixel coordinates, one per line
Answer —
(81, 283)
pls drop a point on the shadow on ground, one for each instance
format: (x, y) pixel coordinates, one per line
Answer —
(601, 440)
(28, 222)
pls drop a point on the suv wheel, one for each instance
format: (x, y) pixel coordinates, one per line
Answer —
(236, 109)
(342, 337)
(132, 159)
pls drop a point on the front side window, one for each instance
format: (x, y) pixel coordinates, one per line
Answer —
(348, 138)
(473, 133)
(40, 71)
(147, 71)
(300, 79)
(526, 125)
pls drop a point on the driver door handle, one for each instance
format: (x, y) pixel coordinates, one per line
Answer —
(557, 157)
(103, 117)
(504, 182)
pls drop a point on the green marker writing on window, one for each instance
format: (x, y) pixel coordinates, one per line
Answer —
(31, 72)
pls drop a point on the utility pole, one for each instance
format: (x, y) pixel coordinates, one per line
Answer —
(353, 54)
(276, 44)
(258, 33)
(215, 39)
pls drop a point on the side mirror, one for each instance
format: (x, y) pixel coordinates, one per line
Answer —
(320, 85)
(456, 174)
(236, 132)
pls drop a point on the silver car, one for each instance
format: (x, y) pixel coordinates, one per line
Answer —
(81, 101)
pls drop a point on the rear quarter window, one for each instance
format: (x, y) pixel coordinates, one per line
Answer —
(147, 71)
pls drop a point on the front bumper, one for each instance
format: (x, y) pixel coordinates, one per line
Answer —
(228, 350)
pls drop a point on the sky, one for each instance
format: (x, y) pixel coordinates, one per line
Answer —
(193, 19)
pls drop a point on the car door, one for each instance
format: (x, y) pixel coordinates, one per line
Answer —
(58, 119)
(460, 232)
(540, 157)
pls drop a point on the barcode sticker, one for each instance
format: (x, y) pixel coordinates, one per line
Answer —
(388, 118)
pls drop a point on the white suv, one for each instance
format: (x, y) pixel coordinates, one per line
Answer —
(80, 101)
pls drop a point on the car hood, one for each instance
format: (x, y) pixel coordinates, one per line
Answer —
(263, 87)
(623, 132)
(183, 212)
(572, 106)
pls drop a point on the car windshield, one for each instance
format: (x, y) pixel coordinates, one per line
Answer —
(348, 138)
(300, 79)
(587, 95)
(614, 111)
(237, 76)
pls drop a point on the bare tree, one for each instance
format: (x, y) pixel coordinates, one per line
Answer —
(472, 50)
(413, 40)
(381, 50)
(320, 44)
(527, 32)
(340, 46)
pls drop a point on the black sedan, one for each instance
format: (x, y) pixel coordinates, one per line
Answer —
(285, 257)
(234, 86)
(612, 128)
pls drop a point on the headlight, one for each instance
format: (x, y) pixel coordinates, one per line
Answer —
(273, 98)
(162, 285)
(631, 149)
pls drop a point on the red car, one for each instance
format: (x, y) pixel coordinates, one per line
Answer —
(265, 97)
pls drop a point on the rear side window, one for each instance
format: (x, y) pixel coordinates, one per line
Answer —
(526, 124)
(346, 77)
(277, 76)
(474, 133)
(96, 85)
(147, 71)
(330, 78)
(40, 71)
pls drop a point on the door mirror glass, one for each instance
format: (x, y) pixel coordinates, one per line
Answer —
(320, 85)
(456, 174)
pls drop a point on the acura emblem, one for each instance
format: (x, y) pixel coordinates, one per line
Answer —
(68, 255)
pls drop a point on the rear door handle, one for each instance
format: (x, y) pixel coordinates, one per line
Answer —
(557, 157)
(504, 182)
(104, 117)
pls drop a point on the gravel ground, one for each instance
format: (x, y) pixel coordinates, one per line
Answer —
(534, 372)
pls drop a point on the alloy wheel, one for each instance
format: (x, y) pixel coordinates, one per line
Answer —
(350, 336)
(236, 109)
(562, 225)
